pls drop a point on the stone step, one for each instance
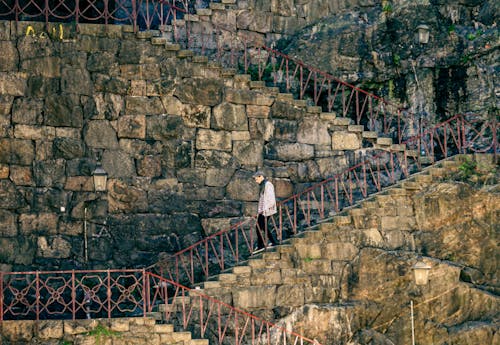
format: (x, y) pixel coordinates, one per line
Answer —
(204, 12)
(437, 171)
(127, 28)
(144, 35)
(156, 315)
(243, 78)
(384, 141)
(191, 18)
(199, 342)
(229, 72)
(257, 84)
(369, 135)
(211, 284)
(355, 128)
(173, 46)
(302, 103)
(200, 59)
(398, 147)
(314, 109)
(217, 6)
(341, 220)
(341, 121)
(412, 153)
(184, 53)
(284, 96)
(158, 41)
(328, 116)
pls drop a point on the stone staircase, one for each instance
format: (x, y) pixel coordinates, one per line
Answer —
(95, 332)
(316, 266)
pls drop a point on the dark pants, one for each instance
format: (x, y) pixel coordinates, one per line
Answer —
(262, 229)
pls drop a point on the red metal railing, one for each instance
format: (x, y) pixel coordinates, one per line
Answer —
(142, 14)
(228, 247)
(113, 293)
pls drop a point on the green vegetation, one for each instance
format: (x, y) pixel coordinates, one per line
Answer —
(65, 342)
(308, 259)
(387, 8)
(471, 36)
(451, 28)
(396, 59)
(472, 172)
(101, 332)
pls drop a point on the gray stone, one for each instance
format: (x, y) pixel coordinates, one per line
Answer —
(345, 141)
(288, 151)
(53, 247)
(218, 177)
(285, 130)
(248, 97)
(8, 223)
(135, 105)
(207, 139)
(41, 87)
(63, 111)
(164, 127)
(261, 129)
(13, 84)
(118, 164)
(126, 199)
(313, 132)
(16, 151)
(108, 106)
(285, 110)
(243, 187)
(229, 117)
(249, 153)
(38, 224)
(100, 134)
(49, 173)
(27, 111)
(132, 127)
(9, 59)
(76, 81)
(68, 148)
(200, 91)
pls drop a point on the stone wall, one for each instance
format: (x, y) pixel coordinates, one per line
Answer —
(179, 138)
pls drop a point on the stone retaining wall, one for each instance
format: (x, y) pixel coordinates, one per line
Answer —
(179, 138)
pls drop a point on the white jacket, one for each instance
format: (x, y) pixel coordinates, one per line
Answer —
(267, 200)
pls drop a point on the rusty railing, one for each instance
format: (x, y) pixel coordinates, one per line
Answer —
(114, 293)
(228, 247)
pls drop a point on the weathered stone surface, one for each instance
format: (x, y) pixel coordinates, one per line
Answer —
(255, 297)
(100, 134)
(261, 129)
(53, 247)
(108, 106)
(285, 110)
(43, 223)
(18, 330)
(9, 58)
(207, 139)
(229, 117)
(118, 164)
(313, 132)
(149, 166)
(285, 130)
(49, 173)
(27, 111)
(125, 199)
(164, 127)
(63, 111)
(290, 295)
(243, 187)
(248, 97)
(16, 151)
(288, 151)
(132, 127)
(13, 84)
(8, 223)
(68, 148)
(258, 111)
(345, 141)
(248, 153)
(218, 177)
(77, 81)
(200, 91)
(50, 329)
(196, 115)
(21, 175)
(135, 105)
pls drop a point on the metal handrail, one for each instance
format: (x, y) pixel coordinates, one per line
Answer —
(38, 295)
(228, 247)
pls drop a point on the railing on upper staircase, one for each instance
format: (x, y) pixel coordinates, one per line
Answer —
(228, 247)
(118, 293)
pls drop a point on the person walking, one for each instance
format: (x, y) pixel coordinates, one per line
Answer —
(267, 207)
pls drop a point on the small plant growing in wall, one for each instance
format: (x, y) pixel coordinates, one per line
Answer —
(101, 333)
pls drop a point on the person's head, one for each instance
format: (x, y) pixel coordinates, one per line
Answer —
(259, 177)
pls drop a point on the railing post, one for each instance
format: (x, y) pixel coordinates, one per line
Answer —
(109, 294)
(73, 294)
(1, 297)
(145, 291)
(37, 296)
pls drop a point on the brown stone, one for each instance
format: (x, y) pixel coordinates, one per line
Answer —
(132, 127)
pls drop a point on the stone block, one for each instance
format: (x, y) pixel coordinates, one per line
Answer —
(200, 91)
(132, 127)
(258, 111)
(100, 134)
(313, 132)
(21, 176)
(248, 97)
(50, 329)
(18, 330)
(249, 153)
(290, 295)
(343, 251)
(289, 151)
(265, 276)
(8, 223)
(30, 132)
(316, 266)
(207, 139)
(345, 141)
(53, 247)
(149, 166)
(240, 135)
(13, 83)
(308, 251)
(71, 327)
(229, 117)
(255, 297)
